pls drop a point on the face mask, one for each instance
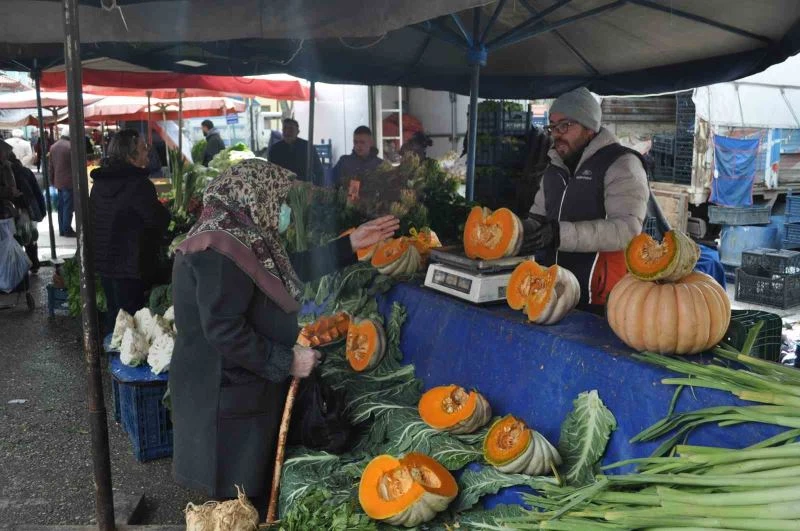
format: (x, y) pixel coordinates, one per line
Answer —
(285, 218)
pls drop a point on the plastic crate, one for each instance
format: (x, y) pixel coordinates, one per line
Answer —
(503, 122)
(771, 262)
(754, 215)
(684, 148)
(791, 234)
(777, 291)
(503, 151)
(682, 176)
(56, 300)
(144, 418)
(664, 144)
(662, 174)
(651, 227)
(792, 208)
(768, 342)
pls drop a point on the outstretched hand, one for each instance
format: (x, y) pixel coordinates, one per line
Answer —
(373, 232)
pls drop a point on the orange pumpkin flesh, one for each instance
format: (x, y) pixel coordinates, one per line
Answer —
(451, 408)
(389, 252)
(530, 282)
(406, 491)
(507, 439)
(688, 316)
(324, 331)
(366, 344)
(396, 257)
(671, 259)
(364, 255)
(492, 235)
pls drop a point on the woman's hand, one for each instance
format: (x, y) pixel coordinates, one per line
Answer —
(304, 361)
(373, 232)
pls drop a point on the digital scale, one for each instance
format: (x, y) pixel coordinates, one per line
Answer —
(476, 281)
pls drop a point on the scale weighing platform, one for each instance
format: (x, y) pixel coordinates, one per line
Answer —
(476, 281)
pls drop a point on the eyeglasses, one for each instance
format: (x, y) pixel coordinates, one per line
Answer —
(561, 127)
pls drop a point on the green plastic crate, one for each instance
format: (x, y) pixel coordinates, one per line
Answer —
(768, 343)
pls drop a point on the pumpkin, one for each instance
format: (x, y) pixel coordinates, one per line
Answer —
(324, 331)
(546, 294)
(492, 235)
(424, 240)
(408, 491)
(671, 259)
(396, 257)
(365, 254)
(514, 448)
(451, 408)
(366, 344)
(688, 316)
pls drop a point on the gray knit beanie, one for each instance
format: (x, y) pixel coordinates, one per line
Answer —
(579, 105)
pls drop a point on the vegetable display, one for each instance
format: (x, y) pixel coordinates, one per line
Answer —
(231, 515)
(396, 257)
(324, 331)
(670, 260)
(683, 317)
(407, 491)
(545, 294)
(366, 344)
(452, 408)
(492, 235)
(145, 337)
(514, 448)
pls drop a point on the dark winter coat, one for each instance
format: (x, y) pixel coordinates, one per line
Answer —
(128, 222)
(230, 369)
(32, 194)
(214, 144)
(294, 157)
(61, 164)
(352, 166)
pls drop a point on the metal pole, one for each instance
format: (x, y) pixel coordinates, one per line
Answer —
(103, 138)
(312, 95)
(180, 123)
(37, 76)
(251, 107)
(149, 120)
(104, 500)
(472, 130)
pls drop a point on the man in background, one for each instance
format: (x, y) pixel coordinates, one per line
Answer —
(292, 153)
(214, 142)
(364, 159)
(61, 178)
(22, 148)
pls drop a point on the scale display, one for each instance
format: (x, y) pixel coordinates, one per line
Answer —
(467, 286)
(449, 280)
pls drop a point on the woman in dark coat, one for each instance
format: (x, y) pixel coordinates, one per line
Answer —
(236, 293)
(127, 223)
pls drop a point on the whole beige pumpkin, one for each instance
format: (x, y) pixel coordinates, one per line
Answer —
(687, 316)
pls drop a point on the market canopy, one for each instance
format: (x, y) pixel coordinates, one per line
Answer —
(27, 99)
(115, 108)
(770, 99)
(110, 76)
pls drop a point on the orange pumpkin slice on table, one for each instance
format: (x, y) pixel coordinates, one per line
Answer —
(671, 259)
(366, 344)
(545, 294)
(365, 254)
(452, 408)
(324, 331)
(687, 316)
(514, 448)
(408, 491)
(492, 235)
(396, 257)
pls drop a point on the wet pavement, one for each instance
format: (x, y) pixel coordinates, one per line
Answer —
(45, 449)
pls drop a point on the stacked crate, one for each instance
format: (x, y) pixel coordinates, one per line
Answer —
(673, 152)
(769, 277)
(791, 230)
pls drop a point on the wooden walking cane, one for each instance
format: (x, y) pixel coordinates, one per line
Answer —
(272, 509)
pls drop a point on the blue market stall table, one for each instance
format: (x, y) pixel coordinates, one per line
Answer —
(535, 372)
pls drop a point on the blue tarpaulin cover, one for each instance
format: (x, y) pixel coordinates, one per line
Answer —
(710, 264)
(734, 171)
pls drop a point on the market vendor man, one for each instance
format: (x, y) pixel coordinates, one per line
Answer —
(592, 200)
(364, 159)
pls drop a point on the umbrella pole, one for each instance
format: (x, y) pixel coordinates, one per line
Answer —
(149, 121)
(472, 130)
(37, 76)
(250, 107)
(180, 123)
(164, 119)
(272, 509)
(104, 500)
(310, 152)
(103, 138)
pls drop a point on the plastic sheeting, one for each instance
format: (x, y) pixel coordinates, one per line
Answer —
(710, 264)
(535, 372)
(15, 263)
(734, 171)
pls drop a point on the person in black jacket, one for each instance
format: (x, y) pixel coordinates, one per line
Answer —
(214, 142)
(32, 202)
(128, 223)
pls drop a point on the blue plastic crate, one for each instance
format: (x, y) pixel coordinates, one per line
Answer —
(792, 208)
(754, 215)
(503, 122)
(791, 235)
(145, 419)
(56, 300)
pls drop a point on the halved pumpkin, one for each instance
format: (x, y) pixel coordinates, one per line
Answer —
(424, 240)
(671, 259)
(396, 257)
(364, 255)
(324, 331)
(408, 491)
(514, 448)
(451, 408)
(492, 235)
(546, 294)
(366, 344)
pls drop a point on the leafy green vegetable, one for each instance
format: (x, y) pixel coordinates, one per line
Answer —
(584, 437)
(230, 156)
(198, 150)
(70, 270)
(316, 511)
(473, 485)
(160, 299)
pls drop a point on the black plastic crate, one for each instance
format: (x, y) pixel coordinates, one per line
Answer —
(768, 342)
(754, 215)
(664, 144)
(503, 122)
(683, 163)
(684, 147)
(778, 291)
(662, 174)
(682, 176)
(765, 261)
(501, 151)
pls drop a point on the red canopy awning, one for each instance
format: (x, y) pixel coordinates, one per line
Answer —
(165, 84)
(115, 108)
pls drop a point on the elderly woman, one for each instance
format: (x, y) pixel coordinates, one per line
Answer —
(236, 293)
(128, 223)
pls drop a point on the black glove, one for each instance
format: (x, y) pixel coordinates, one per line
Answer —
(538, 233)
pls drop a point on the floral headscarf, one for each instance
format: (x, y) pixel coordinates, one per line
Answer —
(240, 217)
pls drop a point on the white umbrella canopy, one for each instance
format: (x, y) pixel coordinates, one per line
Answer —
(114, 108)
(27, 99)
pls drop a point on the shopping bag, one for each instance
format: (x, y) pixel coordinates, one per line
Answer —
(15, 263)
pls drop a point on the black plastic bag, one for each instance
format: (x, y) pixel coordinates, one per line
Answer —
(318, 419)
